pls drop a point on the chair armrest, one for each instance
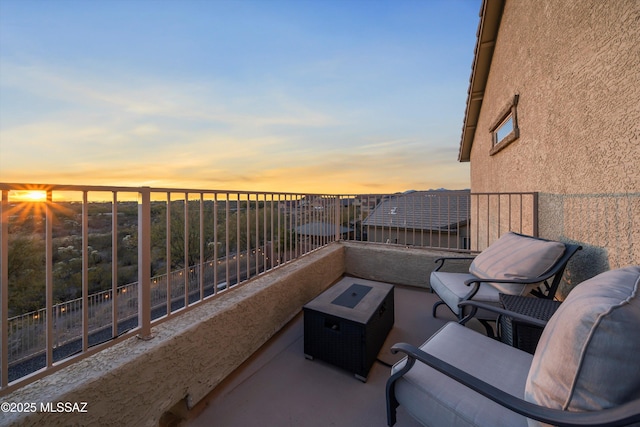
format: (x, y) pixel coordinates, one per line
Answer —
(521, 281)
(613, 417)
(441, 260)
(475, 305)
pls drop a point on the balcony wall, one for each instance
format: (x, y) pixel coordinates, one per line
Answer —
(135, 382)
(394, 264)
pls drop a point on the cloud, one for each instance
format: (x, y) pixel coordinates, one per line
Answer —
(122, 95)
(145, 130)
(155, 122)
(142, 130)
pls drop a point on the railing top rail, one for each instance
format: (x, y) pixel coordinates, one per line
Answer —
(106, 188)
(119, 188)
(531, 193)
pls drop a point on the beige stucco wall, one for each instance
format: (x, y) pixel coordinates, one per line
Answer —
(576, 68)
(396, 264)
(134, 382)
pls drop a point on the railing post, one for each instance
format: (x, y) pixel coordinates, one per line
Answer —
(49, 278)
(535, 214)
(337, 216)
(4, 288)
(186, 250)
(144, 263)
(114, 266)
(85, 271)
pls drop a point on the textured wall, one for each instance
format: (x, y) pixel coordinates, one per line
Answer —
(606, 225)
(134, 382)
(576, 68)
(393, 264)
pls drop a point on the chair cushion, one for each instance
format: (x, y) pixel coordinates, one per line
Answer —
(451, 289)
(436, 400)
(587, 357)
(514, 256)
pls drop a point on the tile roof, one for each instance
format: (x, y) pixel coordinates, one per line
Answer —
(422, 210)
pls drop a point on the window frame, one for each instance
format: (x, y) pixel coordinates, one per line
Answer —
(509, 111)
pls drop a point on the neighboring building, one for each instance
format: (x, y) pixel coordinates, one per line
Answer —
(435, 218)
(553, 107)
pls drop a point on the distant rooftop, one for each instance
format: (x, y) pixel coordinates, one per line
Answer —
(422, 210)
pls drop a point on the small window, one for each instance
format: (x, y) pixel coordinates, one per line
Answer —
(505, 130)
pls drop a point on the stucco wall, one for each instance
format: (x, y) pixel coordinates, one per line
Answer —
(576, 68)
(606, 225)
(134, 382)
(394, 264)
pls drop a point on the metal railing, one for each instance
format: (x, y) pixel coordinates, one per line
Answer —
(26, 339)
(493, 214)
(110, 262)
(198, 242)
(433, 219)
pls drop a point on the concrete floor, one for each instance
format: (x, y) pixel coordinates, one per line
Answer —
(278, 387)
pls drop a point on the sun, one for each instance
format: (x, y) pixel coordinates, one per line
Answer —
(34, 204)
(36, 196)
(28, 204)
(31, 196)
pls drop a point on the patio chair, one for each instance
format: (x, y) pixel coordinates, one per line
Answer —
(585, 370)
(515, 264)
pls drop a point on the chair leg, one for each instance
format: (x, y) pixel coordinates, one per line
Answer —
(392, 403)
(464, 319)
(488, 328)
(435, 307)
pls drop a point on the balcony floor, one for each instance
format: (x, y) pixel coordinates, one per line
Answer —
(277, 386)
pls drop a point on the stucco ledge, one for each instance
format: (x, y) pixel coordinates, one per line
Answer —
(135, 381)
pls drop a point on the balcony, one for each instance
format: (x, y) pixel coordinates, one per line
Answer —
(198, 331)
(278, 386)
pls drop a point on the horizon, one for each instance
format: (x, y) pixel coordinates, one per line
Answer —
(350, 97)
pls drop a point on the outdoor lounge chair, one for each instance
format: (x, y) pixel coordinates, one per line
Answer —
(585, 371)
(514, 264)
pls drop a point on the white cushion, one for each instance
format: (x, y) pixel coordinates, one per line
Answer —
(588, 355)
(514, 256)
(437, 400)
(451, 289)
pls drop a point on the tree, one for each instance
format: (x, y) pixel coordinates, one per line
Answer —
(26, 264)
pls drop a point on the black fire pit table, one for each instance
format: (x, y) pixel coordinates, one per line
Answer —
(347, 324)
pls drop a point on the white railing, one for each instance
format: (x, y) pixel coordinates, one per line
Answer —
(90, 252)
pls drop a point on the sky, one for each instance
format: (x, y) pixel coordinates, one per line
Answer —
(323, 96)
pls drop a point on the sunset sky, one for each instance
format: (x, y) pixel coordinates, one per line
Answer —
(333, 96)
